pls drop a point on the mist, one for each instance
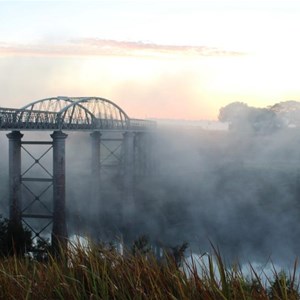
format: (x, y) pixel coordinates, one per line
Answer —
(237, 190)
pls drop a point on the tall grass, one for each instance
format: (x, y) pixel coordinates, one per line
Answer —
(98, 272)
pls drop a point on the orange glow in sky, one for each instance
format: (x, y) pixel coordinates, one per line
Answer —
(156, 59)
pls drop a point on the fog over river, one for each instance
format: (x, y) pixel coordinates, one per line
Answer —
(238, 190)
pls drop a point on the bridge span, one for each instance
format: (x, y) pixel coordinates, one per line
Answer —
(71, 114)
(64, 114)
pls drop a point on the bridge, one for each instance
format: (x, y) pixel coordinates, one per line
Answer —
(64, 114)
(71, 114)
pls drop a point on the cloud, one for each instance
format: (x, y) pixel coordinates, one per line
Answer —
(142, 47)
(105, 47)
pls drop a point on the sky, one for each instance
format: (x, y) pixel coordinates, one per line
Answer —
(170, 59)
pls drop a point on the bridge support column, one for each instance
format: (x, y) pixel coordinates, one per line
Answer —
(128, 204)
(15, 177)
(141, 148)
(95, 189)
(150, 160)
(129, 154)
(59, 230)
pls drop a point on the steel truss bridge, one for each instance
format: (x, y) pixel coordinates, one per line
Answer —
(70, 113)
(92, 114)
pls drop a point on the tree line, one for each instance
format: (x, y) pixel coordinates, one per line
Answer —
(242, 117)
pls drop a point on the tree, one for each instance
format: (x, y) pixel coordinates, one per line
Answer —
(263, 120)
(288, 112)
(14, 239)
(233, 113)
(242, 117)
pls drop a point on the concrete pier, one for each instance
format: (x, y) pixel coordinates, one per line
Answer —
(15, 203)
(59, 230)
(128, 203)
(95, 166)
(129, 164)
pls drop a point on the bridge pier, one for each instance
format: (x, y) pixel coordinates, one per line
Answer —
(15, 177)
(128, 203)
(59, 229)
(129, 165)
(95, 167)
(142, 154)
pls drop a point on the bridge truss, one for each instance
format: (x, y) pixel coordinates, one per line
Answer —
(70, 113)
(58, 114)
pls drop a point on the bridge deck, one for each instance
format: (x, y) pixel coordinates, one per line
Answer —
(24, 119)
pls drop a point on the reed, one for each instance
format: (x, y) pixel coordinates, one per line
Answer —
(99, 272)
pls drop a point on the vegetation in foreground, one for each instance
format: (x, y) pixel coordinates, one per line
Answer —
(100, 272)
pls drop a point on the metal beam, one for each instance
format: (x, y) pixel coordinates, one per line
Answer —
(36, 143)
(37, 216)
(37, 179)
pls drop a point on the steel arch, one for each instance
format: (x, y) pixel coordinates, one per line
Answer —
(99, 113)
(49, 109)
(53, 104)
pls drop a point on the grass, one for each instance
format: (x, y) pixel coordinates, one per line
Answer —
(99, 272)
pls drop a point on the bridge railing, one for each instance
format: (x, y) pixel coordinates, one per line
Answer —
(27, 119)
(37, 119)
(8, 117)
(110, 124)
(140, 124)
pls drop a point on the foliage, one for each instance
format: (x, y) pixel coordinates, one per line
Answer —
(283, 287)
(41, 249)
(141, 246)
(14, 239)
(177, 254)
(233, 112)
(242, 117)
(288, 112)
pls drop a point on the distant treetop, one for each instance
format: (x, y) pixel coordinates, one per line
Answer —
(288, 111)
(249, 119)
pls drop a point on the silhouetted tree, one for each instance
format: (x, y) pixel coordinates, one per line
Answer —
(141, 246)
(177, 253)
(242, 117)
(233, 113)
(283, 287)
(14, 239)
(288, 112)
(263, 120)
